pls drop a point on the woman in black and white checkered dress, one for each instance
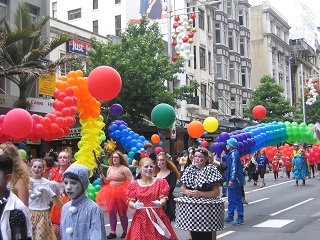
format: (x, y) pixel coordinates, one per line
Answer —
(200, 211)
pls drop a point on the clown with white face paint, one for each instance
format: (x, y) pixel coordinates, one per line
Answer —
(40, 197)
(166, 169)
(201, 183)
(148, 195)
(81, 217)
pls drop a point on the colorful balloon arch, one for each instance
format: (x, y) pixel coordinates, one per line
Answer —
(72, 95)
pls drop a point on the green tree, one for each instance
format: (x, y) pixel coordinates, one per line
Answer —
(144, 69)
(269, 94)
(22, 52)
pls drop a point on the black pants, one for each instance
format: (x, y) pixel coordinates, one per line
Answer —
(201, 235)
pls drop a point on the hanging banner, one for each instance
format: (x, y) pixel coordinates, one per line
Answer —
(47, 84)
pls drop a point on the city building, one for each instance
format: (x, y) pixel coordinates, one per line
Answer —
(270, 48)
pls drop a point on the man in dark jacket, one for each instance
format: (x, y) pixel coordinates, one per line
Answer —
(235, 180)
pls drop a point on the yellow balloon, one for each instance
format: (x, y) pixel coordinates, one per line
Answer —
(210, 124)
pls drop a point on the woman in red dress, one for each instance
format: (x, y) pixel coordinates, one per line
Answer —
(148, 195)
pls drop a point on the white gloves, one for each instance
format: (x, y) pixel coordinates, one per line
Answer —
(157, 203)
(138, 205)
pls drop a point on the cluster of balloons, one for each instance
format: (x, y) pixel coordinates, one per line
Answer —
(285, 151)
(182, 38)
(93, 189)
(119, 131)
(302, 131)
(312, 89)
(163, 115)
(314, 154)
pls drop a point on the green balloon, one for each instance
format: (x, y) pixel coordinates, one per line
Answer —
(163, 115)
(22, 153)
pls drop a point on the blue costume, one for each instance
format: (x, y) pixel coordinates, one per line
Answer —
(235, 175)
(299, 165)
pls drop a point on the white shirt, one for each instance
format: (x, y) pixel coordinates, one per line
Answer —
(41, 203)
(13, 203)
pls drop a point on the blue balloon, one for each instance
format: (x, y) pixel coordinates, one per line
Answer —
(139, 145)
(160, 143)
(134, 149)
(117, 133)
(114, 127)
(121, 127)
(131, 155)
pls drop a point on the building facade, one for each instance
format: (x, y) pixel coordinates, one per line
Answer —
(270, 48)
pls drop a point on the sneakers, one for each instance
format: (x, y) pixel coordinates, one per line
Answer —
(123, 235)
(245, 201)
(112, 236)
(239, 221)
(228, 219)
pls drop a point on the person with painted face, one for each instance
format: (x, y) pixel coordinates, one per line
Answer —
(147, 196)
(40, 197)
(166, 169)
(235, 181)
(112, 195)
(56, 175)
(81, 217)
(299, 164)
(200, 211)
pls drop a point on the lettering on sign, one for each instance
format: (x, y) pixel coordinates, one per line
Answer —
(78, 46)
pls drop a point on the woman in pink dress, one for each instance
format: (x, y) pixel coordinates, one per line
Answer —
(148, 195)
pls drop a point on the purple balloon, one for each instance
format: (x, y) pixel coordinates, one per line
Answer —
(215, 148)
(240, 146)
(224, 137)
(116, 109)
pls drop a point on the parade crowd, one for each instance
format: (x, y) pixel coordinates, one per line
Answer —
(46, 199)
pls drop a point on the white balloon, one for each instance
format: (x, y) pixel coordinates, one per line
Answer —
(178, 47)
(184, 18)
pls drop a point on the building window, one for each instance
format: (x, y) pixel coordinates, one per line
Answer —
(224, 34)
(54, 10)
(278, 31)
(230, 40)
(219, 67)
(243, 77)
(244, 101)
(95, 4)
(117, 1)
(218, 37)
(232, 98)
(201, 19)
(34, 12)
(229, 8)
(118, 25)
(242, 46)
(95, 27)
(65, 67)
(226, 70)
(247, 19)
(74, 14)
(3, 8)
(233, 112)
(232, 73)
(202, 52)
(195, 57)
(241, 17)
(209, 62)
(203, 95)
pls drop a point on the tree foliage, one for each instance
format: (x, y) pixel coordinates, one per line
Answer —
(22, 52)
(269, 94)
(144, 68)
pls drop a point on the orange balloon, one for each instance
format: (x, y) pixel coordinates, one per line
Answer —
(79, 73)
(76, 90)
(57, 84)
(63, 85)
(155, 138)
(63, 78)
(195, 129)
(71, 81)
(72, 74)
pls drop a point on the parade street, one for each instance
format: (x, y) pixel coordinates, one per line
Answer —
(278, 211)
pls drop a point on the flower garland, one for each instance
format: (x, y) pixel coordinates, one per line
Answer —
(312, 89)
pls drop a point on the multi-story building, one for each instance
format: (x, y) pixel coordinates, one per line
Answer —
(270, 49)
(233, 64)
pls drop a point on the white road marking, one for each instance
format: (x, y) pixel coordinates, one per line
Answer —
(274, 223)
(316, 214)
(293, 206)
(224, 234)
(266, 187)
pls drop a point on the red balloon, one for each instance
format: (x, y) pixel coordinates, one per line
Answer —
(18, 123)
(259, 112)
(66, 112)
(54, 128)
(45, 121)
(204, 143)
(69, 91)
(39, 129)
(104, 83)
(61, 96)
(158, 150)
(68, 101)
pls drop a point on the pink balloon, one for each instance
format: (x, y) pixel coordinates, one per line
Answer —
(204, 143)
(18, 123)
(158, 150)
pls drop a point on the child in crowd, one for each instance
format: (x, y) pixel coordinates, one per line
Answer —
(275, 167)
(14, 215)
(288, 167)
(81, 217)
(40, 197)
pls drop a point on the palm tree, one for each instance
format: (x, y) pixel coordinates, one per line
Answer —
(22, 51)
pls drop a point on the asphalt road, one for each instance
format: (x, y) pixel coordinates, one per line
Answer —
(278, 211)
